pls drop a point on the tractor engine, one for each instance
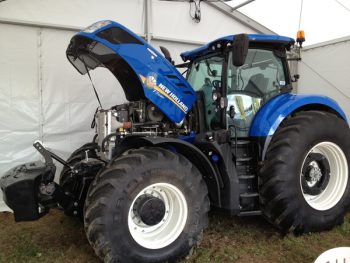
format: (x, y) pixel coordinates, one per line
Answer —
(134, 118)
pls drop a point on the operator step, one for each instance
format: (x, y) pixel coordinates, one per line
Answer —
(246, 177)
(250, 213)
(248, 195)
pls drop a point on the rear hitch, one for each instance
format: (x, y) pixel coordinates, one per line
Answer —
(29, 189)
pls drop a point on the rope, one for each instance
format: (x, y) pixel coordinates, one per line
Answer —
(197, 12)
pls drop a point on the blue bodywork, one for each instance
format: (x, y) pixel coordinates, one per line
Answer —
(211, 46)
(158, 80)
(162, 83)
(269, 117)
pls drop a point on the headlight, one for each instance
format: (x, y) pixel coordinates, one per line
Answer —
(96, 26)
(223, 102)
(216, 95)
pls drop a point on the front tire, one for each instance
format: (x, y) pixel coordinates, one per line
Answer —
(304, 184)
(149, 205)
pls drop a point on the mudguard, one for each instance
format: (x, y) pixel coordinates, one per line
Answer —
(140, 69)
(270, 116)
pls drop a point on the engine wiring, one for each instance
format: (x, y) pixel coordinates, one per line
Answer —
(196, 16)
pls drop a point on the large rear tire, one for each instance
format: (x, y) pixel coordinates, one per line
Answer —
(304, 184)
(149, 205)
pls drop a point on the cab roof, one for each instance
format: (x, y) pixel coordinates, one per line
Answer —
(214, 46)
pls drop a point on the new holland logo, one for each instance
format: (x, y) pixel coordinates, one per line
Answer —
(151, 82)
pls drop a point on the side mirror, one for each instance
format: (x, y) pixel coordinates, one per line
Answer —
(166, 54)
(240, 47)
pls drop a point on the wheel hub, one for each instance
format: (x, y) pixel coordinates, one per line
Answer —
(324, 176)
(150, 209)
(158, 215)
(315, 174)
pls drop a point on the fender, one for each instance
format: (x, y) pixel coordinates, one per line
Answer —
(270, 116)
(186, 149)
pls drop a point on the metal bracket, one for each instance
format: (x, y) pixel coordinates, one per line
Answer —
(48, 156)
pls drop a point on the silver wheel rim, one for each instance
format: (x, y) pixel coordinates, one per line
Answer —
(172, 224)
(338, 178)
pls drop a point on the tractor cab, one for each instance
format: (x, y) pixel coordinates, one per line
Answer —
(232, 94)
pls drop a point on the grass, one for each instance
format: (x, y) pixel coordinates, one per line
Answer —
(57, 238)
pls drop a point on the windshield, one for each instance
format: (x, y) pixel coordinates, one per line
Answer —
(205, 71)
(250, 86)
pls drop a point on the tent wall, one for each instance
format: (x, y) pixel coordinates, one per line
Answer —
(75, 14)
(325, 68)
(43, 97)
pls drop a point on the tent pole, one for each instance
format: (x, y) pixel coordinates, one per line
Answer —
(148, 13)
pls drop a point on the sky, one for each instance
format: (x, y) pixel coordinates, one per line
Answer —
(322, 20)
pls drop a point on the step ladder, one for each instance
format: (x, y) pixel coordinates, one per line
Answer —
(246, 165)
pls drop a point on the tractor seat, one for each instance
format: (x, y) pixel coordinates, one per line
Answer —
(257, 84)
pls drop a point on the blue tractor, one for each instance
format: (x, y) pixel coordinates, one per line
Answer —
(229, 136)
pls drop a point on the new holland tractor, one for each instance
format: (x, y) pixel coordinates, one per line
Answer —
(229, 135)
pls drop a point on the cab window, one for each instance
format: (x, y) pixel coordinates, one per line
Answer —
(205, 76)
(251, 85)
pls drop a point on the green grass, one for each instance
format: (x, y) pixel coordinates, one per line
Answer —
(57, 238)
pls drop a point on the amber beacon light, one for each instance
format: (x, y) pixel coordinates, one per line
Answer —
(300, 37)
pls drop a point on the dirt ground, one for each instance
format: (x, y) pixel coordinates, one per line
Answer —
(57, 238)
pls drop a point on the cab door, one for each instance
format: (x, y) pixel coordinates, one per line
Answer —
(251, 85)
(205, 76)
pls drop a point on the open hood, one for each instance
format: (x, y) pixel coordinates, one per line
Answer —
(140, 69)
